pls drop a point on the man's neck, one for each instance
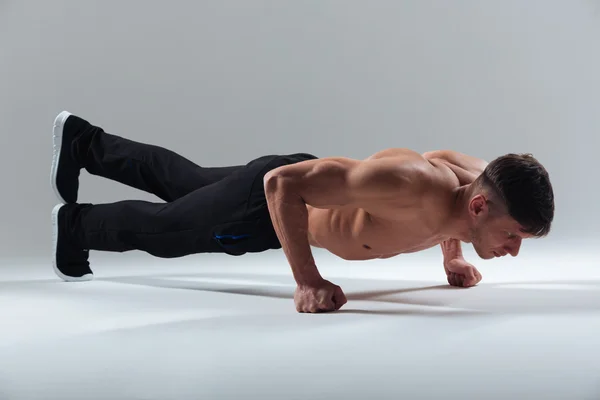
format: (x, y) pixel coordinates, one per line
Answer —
(458, 226)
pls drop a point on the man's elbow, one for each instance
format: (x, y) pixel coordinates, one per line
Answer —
(277, 184)
(274, 178)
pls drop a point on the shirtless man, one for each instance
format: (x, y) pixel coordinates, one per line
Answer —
(396, 201)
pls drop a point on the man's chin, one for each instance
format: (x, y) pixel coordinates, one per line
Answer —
(484, 256)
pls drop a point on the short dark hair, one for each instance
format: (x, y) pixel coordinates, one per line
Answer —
(524, 187)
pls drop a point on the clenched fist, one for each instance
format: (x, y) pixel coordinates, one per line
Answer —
(320, 296)
(460, 273)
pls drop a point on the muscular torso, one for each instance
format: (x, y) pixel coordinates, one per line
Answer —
(387, 228)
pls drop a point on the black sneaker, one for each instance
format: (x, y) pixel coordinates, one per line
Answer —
(65, 169)
(69, 261)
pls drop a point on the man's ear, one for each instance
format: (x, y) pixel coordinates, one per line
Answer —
(478, 206)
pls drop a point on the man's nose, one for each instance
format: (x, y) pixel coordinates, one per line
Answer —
(514, 247)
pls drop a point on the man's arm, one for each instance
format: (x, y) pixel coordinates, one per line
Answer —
(328, 183)
(458, 271)
(451, 250)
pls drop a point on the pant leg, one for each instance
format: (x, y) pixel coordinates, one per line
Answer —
(228, 216)
(147, 167)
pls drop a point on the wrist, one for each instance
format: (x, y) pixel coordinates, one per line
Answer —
(450, 262)
(308, 276)
(453, 257)
(452, 250)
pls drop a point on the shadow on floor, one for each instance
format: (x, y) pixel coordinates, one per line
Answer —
(529, 297)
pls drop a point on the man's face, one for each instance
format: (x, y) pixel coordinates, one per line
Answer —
(496, 235)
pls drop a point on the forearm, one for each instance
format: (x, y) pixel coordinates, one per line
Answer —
(290, 220)
(451, 249)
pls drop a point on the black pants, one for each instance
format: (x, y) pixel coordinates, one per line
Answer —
(206, 209)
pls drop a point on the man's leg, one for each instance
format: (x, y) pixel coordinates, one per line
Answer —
(79, 144)
(229, 216)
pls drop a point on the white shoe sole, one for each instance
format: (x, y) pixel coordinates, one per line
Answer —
(84, 278)
(57, 135)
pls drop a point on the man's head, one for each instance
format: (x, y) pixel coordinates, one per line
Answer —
(511, 200)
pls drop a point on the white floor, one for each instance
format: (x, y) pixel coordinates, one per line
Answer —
(218, 327)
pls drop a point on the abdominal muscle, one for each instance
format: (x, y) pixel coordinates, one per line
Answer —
(356, 235)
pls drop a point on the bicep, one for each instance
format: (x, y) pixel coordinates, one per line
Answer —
(337, 181)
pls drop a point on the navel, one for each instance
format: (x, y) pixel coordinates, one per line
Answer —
(366, 246)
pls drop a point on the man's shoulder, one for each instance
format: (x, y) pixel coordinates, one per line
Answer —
(469, 163)
(465, 167)
(395, 153)
(452, 156)
(401, 178)
(437, 168)
(396, 161)
(398, 170)
(404, 162)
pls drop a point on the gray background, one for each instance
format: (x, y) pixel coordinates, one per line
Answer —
(225, 81)
(222, 82)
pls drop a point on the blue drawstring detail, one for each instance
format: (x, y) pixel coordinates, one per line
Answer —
(235, 237)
